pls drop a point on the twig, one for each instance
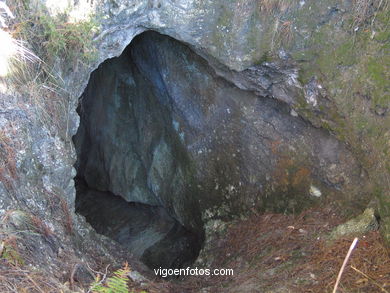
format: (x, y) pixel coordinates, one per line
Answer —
(368, 277)
(36, 285)
(96, 272)
(76, 266)
(103, 277)
(376, 12)
(351, 248)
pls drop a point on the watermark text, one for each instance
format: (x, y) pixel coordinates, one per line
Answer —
(192, 272)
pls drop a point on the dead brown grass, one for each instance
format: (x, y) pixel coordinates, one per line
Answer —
(265, 251)
(22, 279)
(15, 273)
(59, 206)
(22, 236)
(26, 221)
(67, 221)
(274, 6)
(40, 227)
(8, 172)
(274, 251)
(370, 257)
(283, 233)
(365, 11)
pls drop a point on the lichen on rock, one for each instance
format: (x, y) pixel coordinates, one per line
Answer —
(357, 226)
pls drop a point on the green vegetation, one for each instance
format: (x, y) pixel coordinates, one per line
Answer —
(349, 56)
(53, 37)
(118, 283)
(50, 45)
(9, 252)
(20, 233)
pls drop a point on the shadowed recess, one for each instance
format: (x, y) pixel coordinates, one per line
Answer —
(167, 142)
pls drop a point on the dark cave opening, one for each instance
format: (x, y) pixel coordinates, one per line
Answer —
(148, 232)
(169, 141)
(134, 180)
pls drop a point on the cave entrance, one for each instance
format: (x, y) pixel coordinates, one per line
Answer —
(169, 140)
(147, 231)
(135, 182)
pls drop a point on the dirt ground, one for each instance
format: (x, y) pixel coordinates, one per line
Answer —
(268, 253)
(287, 253)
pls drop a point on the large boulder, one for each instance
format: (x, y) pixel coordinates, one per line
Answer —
(160, 127)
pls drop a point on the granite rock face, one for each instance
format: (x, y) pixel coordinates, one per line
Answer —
(305, 57)
(159, 126)
(248, 106)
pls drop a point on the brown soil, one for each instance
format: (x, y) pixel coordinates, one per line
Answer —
(268, 253)
(287, 253)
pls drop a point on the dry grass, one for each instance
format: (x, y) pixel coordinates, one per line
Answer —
(59, 206)
(24, 240)
(365, 11)
(36, 74)
(21, 279)
(273, 251)
(275, 6)
(26, 222)
(286, 32)
(283, 32)
(369, 257)
(15, 273)
(40, 227)
(266, 252)
(283, 233)
(67, 221)
(8, 172)
(42, 88)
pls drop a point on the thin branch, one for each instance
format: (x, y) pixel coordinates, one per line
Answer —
(102, 280)
(351, 248)
(35, 284)
(76, 266)
(372, 280)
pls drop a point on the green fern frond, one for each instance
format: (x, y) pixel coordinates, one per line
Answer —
(114, 284)
(117, 284)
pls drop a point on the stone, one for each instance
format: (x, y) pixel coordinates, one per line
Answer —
(82, 275)
(381, 111)
(137, 277)
(170, 132)
(314, 191)
(357, 226)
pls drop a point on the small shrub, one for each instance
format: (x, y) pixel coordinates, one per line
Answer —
(52, 37)
(9, 252)
(59, 206)
(57, 46)
(68, 222)
(40, 227)
(21, 222)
